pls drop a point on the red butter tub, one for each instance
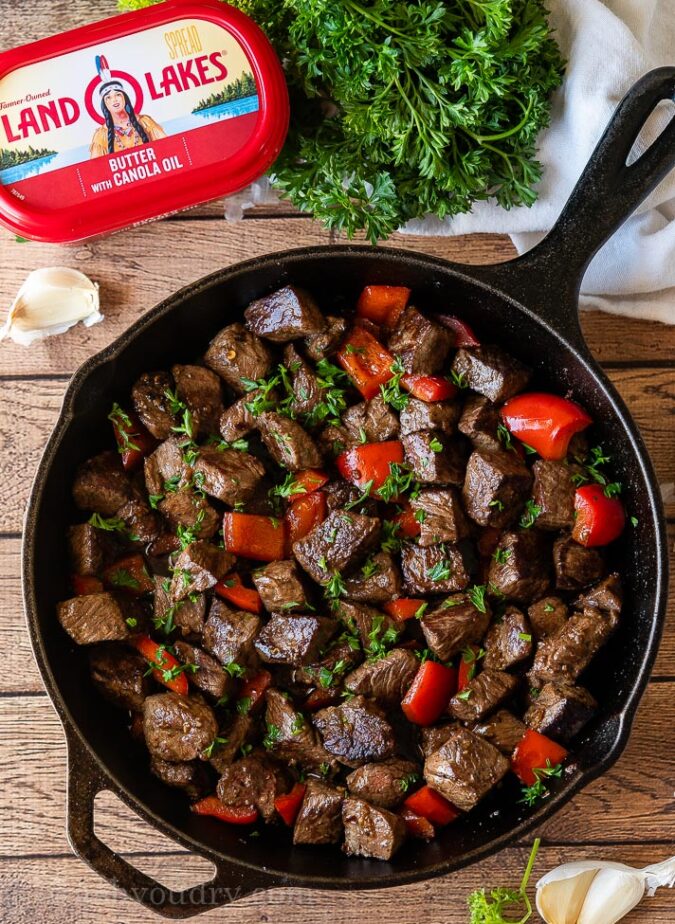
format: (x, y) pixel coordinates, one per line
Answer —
(135, 117)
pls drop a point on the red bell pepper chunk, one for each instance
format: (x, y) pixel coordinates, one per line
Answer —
(133, 440)
(254, 688)
(382, 304)
(429, 693)
(431, 805)
(418, 826)
(304, 514)
(403, 608)
(429, 388)
(244, 598)
(130, 575)
(308, 481)
(545, 422)
(408, 525)
(366, 361)
(535, 752)
(253, 536)
(83, 585)
(166, 669)
(468, 665)
(288, 805)
(232, 814)
(599, 519)
(464, 335)
(370, 462)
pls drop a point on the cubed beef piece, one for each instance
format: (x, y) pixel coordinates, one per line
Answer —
(294, 639)
(102, 485)
(187, 615)
(142, 523)
(237, 421)
(356, 732)
(431, 739)
(199, 389)
(240, 731)
(576, 566)
(252, 782)
(421, 344)
(280, 587)
(285, 315)
(337, 545)
(185, 508)
(119, 676)
(491, 372)
(166, 464)
(453, 626)
(328, 671)
(229, 634)
(289, 445)
(607, 595)
(566, 654)
(441, 516)
(319, 820)
(418, 416)
(386, 679)
(560, 710)
(496, 486)
(434, 457)
(291, 738)
(163, 545)
(371, 831)
(547, 616)
(189, 775)
(325, 344)
(371, 421)
(370, 624)
(383, 784)
(209, 677)
(479, 421)
(230, 476)
(340, 493)
(308, 393)
(553, 492)
(236, 354)
(439, 569)
(465, 768)
(92, 618)
(482, 695)
(90, 549)
(502, 729)
(177, 727)
(377, 581)
(334, 440)
(151, 397)
(520, 565)
(199, 567)
(509, 641)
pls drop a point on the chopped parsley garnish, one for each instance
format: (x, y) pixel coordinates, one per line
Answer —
(380, 639)
(123, 429)
(400, 480)
(539, 790)
(634, 521)
(592, 471)
(271, 736)
(548, 608)
(441, 571)
(497, 504)
(459, 379)
(214, 442)
(176, 406)
(465, 695)
(298, 723)
(189, 534)
(435, 445)
(288, 487)
(501, 556)
(525, 636)
(234, 669)
(123, 578)
(244, 705)
(391, 541)
(407, 781)
(421, 609)
(477, 597)
(214, 746)
(327, 676)
(504, 437)
(155, 500)
(530, 514)
(392, 392)
(335, 587)
(108, 525)
(362, 498)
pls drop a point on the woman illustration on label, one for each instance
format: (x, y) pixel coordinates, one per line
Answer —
(123, 128)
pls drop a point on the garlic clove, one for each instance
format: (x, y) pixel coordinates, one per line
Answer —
(50, 301)
(660, 875)
(611, 895)
(559, 901)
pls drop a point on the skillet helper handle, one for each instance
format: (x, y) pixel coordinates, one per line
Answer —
(84, 781)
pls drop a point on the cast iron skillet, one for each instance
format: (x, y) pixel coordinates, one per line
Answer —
(530, 307)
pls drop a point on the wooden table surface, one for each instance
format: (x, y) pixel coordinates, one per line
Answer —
(628, 815)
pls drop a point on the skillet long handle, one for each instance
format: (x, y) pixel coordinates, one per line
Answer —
(607, 193)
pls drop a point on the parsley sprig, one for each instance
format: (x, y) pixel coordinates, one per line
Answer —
(539, 790)
(501, 905)
(593, 465)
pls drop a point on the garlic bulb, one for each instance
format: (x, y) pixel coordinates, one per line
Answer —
(598, 891)
(49, 302)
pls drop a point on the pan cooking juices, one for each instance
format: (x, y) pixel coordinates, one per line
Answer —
(135, 117)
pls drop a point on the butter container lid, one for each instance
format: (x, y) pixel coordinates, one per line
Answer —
(135, 117)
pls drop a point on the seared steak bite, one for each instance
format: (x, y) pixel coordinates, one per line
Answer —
(519, 569)
(322, 345)
(228, 475)
(187, 509)
(440, 515)
(120, 676)
(421, 344)
(553, 492)
(189, 775)
(101, 485)
(284, 315)
(384, 784)
(386, 679)
(372, 626)
(431, 739)
(308, 393)
(370, 831)
(319, 820)
(294, 639)
(209, 678)
(239, 732)
(465, 768)
(177, 728)
(292, 738)
(187, 615)
(229, 634)
(337, 545)
(440, 569)
(237, 355)
(482, 695)
(356, 732)
(440, 416)
(496, 486)
(151, 397)
(547, 616)
(479, 421)
(454, 625)
(575, 565)
(566, 654)
(252, 782)
(509, 641)
(199, 389)
(333, 440)
(328, 671)
(280, 587)
(560, 710)
(434, 457)
(141, 522)
(289, 445)
(166, 468)
(92, 618)
(491, 371)
(199, 567)
(377, 581)
(237, 421)
(371, 421)
(607, 596)
(90, 549)
(341, 493)
(502, 729)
